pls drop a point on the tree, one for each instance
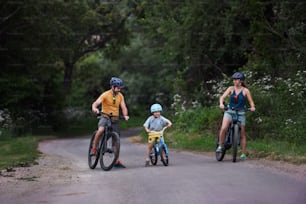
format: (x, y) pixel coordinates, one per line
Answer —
(40, 42)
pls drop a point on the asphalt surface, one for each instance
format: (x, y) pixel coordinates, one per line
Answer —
(190, 178)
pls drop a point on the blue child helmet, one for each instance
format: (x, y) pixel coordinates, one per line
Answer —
(238, 75)
(116, 82)
(156, 107)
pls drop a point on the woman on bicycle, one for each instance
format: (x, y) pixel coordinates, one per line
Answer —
(155, 122)
(238, 95)
(111, 101)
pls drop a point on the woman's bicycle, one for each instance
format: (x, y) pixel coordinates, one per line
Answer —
(159, 148)
(232, 137)
(108, 148)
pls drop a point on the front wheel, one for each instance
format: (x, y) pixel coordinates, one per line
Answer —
(153, 155)
(164, 155)
(110, 151)
(93, 159)
(235, 142)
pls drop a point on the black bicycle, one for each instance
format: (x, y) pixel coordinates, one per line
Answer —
(232, 137)
(108, 148)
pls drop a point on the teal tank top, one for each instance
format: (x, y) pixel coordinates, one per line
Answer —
(237, 101)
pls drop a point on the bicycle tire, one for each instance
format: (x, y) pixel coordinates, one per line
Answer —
(153, 155)
(93, 159)
(219, 155)
(165, 160)
(235, 142)
(110, 151)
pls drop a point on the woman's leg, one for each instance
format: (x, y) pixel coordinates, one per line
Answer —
(243, 139)
(225, 123)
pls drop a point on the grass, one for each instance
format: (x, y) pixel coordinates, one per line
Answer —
(21, 151)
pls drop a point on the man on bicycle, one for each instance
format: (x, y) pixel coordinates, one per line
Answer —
(238, 95)
(111, 101)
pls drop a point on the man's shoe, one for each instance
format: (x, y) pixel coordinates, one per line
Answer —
(93, 151)
(119, 165)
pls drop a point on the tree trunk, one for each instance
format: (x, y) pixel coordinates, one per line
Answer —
(68, 76)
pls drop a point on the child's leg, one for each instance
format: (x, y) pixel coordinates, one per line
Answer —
(150, 145)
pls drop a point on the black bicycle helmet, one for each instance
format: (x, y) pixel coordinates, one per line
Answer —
(116, 82)
(238, 75)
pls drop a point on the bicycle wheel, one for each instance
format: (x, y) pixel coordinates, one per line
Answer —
(153, 155)
(110, 151)
(219, 155)
(235, 142)
(93, 159)
(164, 155)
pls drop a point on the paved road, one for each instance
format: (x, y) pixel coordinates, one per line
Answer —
(189, 179)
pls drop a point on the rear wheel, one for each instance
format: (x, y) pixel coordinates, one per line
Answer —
(93, 159)
(110, 151)
(153, 156)
(164, 156)
(219, 155)
(235, 142)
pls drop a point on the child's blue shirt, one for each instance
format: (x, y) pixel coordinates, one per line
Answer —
(155, 124)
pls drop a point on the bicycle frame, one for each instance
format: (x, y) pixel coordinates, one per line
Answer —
(158, 147)
(232, 136)
(228, 141)
(108, 147)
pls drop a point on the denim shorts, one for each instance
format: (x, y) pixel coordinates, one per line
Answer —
(115, 124)
(230, 114)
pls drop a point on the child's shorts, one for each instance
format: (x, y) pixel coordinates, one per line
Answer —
(153, 137)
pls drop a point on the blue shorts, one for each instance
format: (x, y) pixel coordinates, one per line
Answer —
(241, 115)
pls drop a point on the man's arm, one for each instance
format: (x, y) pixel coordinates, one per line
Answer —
(94, 106)
(124, 110)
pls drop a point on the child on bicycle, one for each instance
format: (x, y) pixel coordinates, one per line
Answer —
(155, 122)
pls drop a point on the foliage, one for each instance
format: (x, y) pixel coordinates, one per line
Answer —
(40, 42)
(18, 151)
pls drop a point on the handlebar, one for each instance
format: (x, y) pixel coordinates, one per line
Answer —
(237, 109)
(161, 132)
(110, 116)
(226, 107)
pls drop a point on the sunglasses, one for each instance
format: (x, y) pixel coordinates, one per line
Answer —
(236, 79)
(114, 100)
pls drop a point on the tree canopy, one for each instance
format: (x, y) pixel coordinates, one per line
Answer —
(60, 53)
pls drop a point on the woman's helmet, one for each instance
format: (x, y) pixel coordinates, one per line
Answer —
(238, 75)
(116, 82)
(156, 107)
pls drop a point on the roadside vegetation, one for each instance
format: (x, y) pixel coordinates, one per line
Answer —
(180, 54)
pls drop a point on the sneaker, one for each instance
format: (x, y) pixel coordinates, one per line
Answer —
(147, 162)
(219, 149)
(119, 165)
(93, 151)
(243, 157)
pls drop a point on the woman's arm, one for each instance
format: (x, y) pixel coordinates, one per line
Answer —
(225, 94)
(250, 99)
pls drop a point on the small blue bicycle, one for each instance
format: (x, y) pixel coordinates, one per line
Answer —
(159, 148)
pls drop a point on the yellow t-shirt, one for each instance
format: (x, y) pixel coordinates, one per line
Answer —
(110, 102)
